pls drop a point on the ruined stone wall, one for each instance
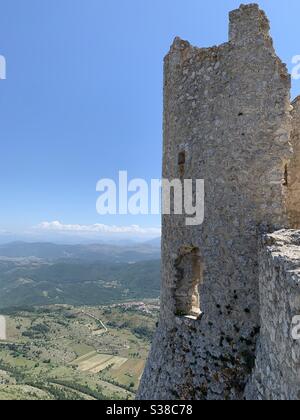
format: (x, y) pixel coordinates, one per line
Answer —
(277, 373)
(293, 169)
(227, 121)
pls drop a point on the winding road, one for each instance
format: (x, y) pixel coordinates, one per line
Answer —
(96, 319)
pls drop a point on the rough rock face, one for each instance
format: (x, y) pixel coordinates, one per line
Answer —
(227, 120)
(277, 372)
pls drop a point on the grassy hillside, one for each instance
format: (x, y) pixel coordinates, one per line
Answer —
(66, 353)
(26, 281)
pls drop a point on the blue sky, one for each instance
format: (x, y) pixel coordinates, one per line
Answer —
(83, 96)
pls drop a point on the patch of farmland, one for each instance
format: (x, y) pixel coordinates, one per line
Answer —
(96, 363)
(130, 371)
(83, 358)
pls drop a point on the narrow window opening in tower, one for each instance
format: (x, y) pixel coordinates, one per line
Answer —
(181, 163)
(286, 176)
(189, 276)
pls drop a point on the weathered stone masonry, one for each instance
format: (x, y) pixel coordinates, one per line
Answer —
(277, 373)
(228, 120)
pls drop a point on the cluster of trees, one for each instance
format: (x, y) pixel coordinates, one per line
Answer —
(36, 331)
(17, 373)
(57, 393)
(98, 395)
(143, 331)
(115, 383)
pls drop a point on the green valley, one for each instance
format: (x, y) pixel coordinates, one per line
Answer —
(62, 352)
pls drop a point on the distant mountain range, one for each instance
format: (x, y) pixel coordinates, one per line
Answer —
(65, 238)
(97, 274)
(93, 252)
(154, 242)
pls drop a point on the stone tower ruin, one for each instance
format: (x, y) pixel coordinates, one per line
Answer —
(230, 287)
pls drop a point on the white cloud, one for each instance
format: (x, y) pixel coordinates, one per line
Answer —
(133, 230)
(4, 232)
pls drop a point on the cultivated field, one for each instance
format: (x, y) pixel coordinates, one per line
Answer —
(62, 352)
